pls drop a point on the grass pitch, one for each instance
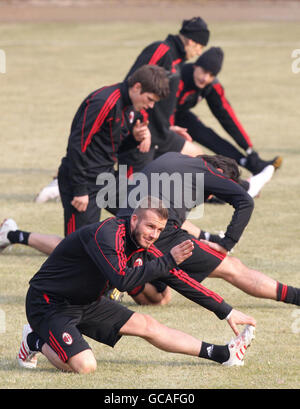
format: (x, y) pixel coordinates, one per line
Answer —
(51, 67)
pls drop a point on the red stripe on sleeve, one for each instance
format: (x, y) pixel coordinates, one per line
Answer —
(185, 95)
(107, 107)
(175, 62)
(183, 276)
(122, 259)
(154, 250)
(216, 174)
(158, 54)
(195, 284)
(118, 249)
(220, 91)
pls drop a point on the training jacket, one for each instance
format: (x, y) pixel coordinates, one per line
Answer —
(97, 130)
(170, 55)
(189, 95)
(102, 255)
(177, 198)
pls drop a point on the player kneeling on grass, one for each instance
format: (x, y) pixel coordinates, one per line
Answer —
(64, 300)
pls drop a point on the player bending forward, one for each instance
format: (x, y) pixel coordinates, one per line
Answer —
(65, 302)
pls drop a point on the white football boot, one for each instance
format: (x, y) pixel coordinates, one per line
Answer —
(49, 192)
(257, 182)
(238, 346)
(7, 226)
(26, 358)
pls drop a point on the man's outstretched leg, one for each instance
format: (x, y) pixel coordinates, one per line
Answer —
(254, 282)
(175, 341)
(146, 327)
(10, 234)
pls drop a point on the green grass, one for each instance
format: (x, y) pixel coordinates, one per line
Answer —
(50, 69)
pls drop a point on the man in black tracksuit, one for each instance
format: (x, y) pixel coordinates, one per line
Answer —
(97, 131)
(209, 258)
(192, 91)
(169, 54)
(65, 299)
(186, 191)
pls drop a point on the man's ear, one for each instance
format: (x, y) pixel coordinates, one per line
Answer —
(133, 220)
(137, 87)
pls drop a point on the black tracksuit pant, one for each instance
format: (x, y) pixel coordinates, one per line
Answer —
(207, 137)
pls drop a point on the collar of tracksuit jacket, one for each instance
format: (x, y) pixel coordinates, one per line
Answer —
(125, 93)
(176, 46)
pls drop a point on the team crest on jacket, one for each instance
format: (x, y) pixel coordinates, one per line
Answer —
(67, 338)
(138, 262)
(131, 116)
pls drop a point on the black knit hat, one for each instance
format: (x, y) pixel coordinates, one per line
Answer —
(211, 60)
(195, 29)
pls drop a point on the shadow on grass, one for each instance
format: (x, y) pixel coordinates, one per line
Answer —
(147, 363)
(21, 251)
(261, 306)
(11, 365)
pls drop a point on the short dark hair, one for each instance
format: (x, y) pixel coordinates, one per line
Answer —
(153, 79)
(154, 204)
(228, 165)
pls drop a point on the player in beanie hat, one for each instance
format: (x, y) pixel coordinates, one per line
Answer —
(195, 29)
(211, 60)
(171, 53)
(199, 81)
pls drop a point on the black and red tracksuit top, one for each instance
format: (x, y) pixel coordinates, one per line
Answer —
(178, 195)
(103, 255)
(170, 55)
(189, 95)
(97, 130)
